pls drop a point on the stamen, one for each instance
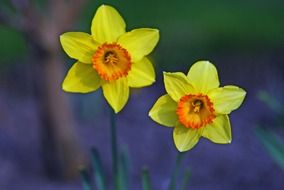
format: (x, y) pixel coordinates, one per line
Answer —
(111, 61)
(110, 58)
(196, 105)
(195, 111)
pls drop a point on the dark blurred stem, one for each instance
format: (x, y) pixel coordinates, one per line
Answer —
(114, 148)
(172, 185)
(146, 181)
(85, 180)
(185, 181)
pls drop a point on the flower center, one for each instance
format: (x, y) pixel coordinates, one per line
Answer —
(111, 61)
(195, 111)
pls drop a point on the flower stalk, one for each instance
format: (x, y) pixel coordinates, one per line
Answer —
(114, 148)
(146, 181)
(186, 177)
(172, 184)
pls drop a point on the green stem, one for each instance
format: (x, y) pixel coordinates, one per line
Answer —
(146, 182)
(114, 149)
(172, 185)
(186, 177)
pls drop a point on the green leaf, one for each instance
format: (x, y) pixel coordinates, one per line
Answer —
(98, 170)
(274, 104)
(123, 169)
(146, 181)
(85, 178)
(270, 101)
(273, 144)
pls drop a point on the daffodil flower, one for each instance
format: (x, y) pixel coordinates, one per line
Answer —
(196, 106)
(109, 57)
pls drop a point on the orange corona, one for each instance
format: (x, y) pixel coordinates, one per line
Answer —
(111, 61)
(195, 111)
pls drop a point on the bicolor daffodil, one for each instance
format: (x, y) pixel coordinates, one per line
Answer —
(109, 57)
(196, 106)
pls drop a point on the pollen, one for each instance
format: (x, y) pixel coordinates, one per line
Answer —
(195, 111)
(111, 61)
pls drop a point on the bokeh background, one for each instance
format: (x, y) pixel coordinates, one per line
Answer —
(46, 134)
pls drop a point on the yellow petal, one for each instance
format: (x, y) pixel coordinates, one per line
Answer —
(107, 25)
(164, 111)
(79, 45)
(116, 93)
(185, 138)
(219, 131)
(141, 74)
(81, 78)
(203, 76)
(177, 85)
(139, 42)
(227, 99)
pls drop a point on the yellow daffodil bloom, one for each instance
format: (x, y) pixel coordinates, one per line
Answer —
(109, 57)
(196, 106)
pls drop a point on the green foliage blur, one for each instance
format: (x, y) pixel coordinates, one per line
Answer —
(270, 136)
(194, 29)
(13, 46)
(190, 29)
